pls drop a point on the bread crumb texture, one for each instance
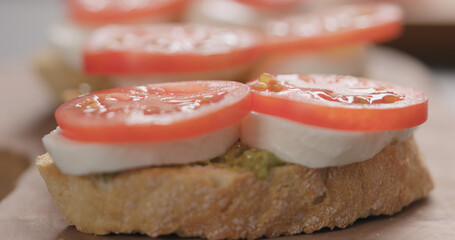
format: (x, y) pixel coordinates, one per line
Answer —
(223, 203)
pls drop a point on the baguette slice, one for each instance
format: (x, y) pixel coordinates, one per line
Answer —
(221, 202)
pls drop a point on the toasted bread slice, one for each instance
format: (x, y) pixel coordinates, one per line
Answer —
(221, 202)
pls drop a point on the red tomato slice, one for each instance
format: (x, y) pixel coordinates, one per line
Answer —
(155, 112)
(339, 102)
(335, 26)
(169, 48)
(271, 4)
(101, 12)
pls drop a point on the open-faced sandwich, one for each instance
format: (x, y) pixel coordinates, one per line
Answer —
(61, 66)
(282, 155)
(127, 55)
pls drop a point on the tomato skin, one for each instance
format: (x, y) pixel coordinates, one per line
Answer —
(211, 53)
(143, 63)
(409, 112)
(378, 35)
(271, 4)
(384, 23)
(81, 126)
(112, 12)
(337, 118)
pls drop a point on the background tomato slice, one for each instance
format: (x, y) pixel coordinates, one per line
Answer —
(271, 4)
(339, 102)
(97, 12)
(334, 26)
(155, 112)
(169, 48)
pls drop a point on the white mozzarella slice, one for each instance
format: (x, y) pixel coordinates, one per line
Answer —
(78, 158)
(223, 13)
(342, 60)
(314, 147)
(231, 13)
(68, 39)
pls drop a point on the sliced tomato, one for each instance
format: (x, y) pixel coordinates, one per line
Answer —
(101, 12)
(339, 102)
(271, 4)
(334, 27)
(155, 112)
(169, 48)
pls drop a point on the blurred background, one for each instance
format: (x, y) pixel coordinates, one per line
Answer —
(24, 24)
(425, 50)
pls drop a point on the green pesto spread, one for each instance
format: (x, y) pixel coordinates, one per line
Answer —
(108, 176)
(241, 157)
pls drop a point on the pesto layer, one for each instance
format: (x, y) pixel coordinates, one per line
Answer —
(242, 157)
(239, 157)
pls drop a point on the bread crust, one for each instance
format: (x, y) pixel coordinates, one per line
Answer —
(223, 203)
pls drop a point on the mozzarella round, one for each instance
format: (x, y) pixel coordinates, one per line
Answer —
(342, 60)
(68, 39)
(223, 13)
(232, 13)
(79, 158)
(311, 146)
